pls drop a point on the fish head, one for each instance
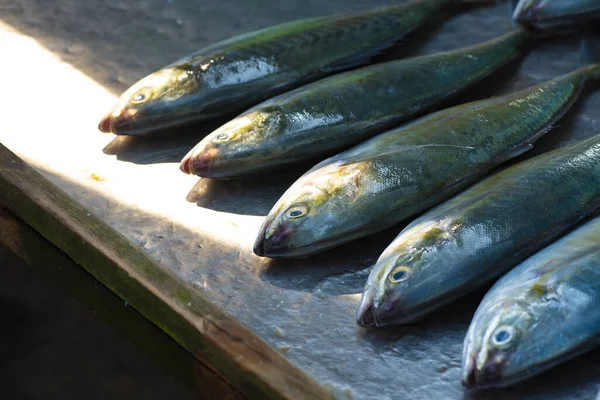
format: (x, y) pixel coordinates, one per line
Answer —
(405, 281)
(161, 99)
(320, 210)
(500, 344)
(236, 147)
(529, 10)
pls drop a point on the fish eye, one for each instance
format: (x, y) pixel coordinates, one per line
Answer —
(399, 274)
(503, 335)
(221, 137)
(141, 96)
(296, 211)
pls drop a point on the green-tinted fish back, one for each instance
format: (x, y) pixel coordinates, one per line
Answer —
(381, 15)
(492, 189)
(347, 31)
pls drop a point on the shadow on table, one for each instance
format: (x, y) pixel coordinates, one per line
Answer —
(343, 270)
(161, 147)
(248, 196)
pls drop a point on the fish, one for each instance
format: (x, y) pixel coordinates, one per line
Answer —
(546, 14)
(235, 74)
(540, 314)
(481, 233)
(403, 172)
(337, 112)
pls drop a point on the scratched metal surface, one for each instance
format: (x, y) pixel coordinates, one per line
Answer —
(203, 230)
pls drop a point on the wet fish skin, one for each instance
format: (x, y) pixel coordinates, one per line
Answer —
(541, 313)
(481, 233)
(545, 14)
(235, 74)
(405, 171)
(345, 109)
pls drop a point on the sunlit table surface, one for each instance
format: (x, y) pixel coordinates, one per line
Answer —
(65, 62)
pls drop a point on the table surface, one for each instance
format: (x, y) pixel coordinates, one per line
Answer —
(66, 61)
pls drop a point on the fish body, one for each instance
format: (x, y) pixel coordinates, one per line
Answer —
(546, 14)
(541, 313)
(235, 74)
(481, 233)
(405, 171)
(339, 111)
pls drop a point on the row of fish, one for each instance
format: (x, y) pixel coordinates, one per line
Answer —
(481, 234)
(475, 235)
(232, 75)
(334, 113)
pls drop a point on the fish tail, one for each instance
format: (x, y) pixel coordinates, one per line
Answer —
(590, 53)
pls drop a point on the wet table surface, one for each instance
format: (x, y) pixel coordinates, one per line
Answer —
(68, 60)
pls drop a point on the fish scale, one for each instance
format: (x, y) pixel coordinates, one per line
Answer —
(549, 307)
(407, 170)
(348, 108)
(291, 54)
(484, 231)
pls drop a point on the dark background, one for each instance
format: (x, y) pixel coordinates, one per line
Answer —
(52, 347)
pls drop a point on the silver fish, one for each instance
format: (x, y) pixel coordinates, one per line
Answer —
(540, 314)
(234, 74)
(336, 112)
(405, 171)
(481, 233)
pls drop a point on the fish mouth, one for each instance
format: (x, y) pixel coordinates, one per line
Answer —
(276, 245)
(488, 376)
(198, 163)
(372, 314)
(259, 247)
(123, 123)
(187, 165)
(273, 242)
(469, 374)
(365, 315)
(270, 242)
(105, 124)
(260, 243)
